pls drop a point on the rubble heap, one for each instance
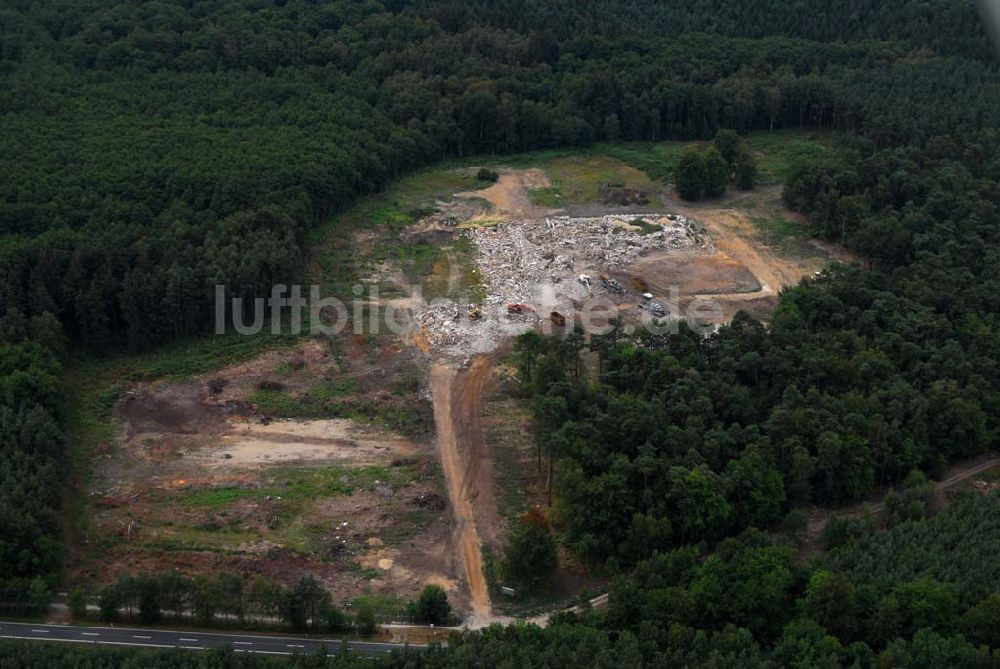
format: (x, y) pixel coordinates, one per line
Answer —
(518, 256)
(547, 264)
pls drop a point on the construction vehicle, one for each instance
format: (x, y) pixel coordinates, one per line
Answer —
(647, 297)
(654, 308)
(612, 285)
(557, 319)
(475, 312)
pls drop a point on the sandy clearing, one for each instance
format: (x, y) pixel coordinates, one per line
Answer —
(303, 441)
(510, 195)
(692, 272)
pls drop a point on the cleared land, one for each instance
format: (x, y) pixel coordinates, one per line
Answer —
(207, 474)
(381, 463)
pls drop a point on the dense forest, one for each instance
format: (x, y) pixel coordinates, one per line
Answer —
(153, 149)
(862, 375)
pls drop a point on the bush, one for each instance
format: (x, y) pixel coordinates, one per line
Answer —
(745, 168)
(109, 602)
(364, 619)
(336, 620)
(531, 554)
(727, 143)
(432, 607)
(689, 175)
(487, 175)
(716, 173)
(796, 523)
(271, 386)
(77, 603)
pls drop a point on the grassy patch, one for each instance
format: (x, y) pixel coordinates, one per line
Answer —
(788, 236)
(221, 497)
(299, 485)
(386, 607)
(776, 153)
(338, 263)
(280, 404)
(291, 494)
(547, 197)
(408, 418)
(325, 390)
(579, 178)
(645, 227)
(513, 447)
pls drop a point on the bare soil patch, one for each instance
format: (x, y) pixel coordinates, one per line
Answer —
(510, 195)
(202, 480)
(693, 272)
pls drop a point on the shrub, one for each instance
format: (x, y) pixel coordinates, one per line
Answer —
(77, 603)
(487, 175)
(432, 607)
(689, 175)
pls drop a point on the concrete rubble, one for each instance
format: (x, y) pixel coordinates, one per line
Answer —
(543, 263)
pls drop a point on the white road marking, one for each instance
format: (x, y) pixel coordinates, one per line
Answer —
(136, 636)
(89, 634)
(183, 639)
(40, 631)
(191, 647)
(112, 643)
(244, 643)
(135, 643)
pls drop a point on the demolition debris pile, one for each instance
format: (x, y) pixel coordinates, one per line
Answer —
(548, 264)
(517, 257)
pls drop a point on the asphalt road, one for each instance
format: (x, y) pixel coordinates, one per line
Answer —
(150, 638)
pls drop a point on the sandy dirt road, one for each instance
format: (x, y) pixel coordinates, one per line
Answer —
(449, 421)
(959, 472)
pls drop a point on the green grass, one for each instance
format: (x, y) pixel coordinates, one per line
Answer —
(280, 404)
(325, 390)
(646, 228)
(578, 179)
(413, 419)
(776, 152)
(789, 237)
(470, 282)
(548, 197)
(386, 607)
(294, 491)
(221, 497)
(339, 264)
(780, 151)
(514, 472)
(300, 485)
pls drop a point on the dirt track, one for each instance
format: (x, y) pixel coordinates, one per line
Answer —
(958, 473)
(456, 397)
